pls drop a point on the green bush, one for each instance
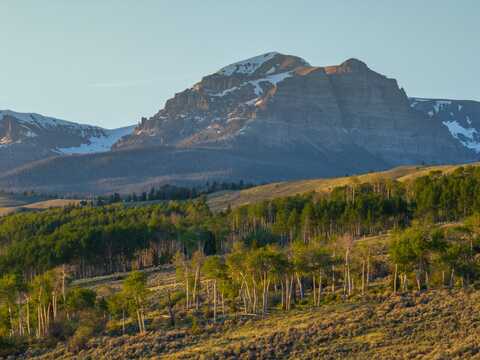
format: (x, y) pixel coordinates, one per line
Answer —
(91, 324)
(11, 346)
(79, 299)
(80, 338)
(62, 329)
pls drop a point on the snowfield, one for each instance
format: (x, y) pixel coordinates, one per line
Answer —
(248, 66)
(100, 143)
(272, 79)
(467, 136)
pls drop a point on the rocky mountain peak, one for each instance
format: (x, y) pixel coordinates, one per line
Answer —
(223, 105)
(279, 101)
(353, 65)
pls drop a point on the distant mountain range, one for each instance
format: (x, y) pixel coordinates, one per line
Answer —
(267, 118)
(26, 137)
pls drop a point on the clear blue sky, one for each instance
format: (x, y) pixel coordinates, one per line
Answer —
(111, 62)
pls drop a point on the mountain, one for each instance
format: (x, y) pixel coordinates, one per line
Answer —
(268, 118)
(26, 137)
(460, 117)
(281, 103)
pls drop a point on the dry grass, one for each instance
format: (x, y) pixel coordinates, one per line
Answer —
(12, 200)
(52, 204)
(39, 205)
(7, 211)
(221, 200)
(439, 324)
(158, 278)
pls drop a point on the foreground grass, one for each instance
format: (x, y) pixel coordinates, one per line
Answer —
(433, 325)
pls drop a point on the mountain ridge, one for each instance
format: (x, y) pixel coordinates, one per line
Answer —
(27, 137)
(349, 103)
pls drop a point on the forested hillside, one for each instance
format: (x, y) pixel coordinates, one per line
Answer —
(403, 174)
(356, 242)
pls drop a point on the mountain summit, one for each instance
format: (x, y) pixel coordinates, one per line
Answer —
(262, 65)
(268, 118)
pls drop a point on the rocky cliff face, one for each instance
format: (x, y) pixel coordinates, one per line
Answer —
(275, 101)
(26, 137)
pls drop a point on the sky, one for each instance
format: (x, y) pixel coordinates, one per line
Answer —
(109, 63)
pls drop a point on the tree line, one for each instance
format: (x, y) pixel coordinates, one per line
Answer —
(172, 192)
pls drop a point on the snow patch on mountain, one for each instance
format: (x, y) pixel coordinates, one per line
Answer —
(272, 79)
(96, 144)
(248, 66)
(467, 136)
(226, 92)
(93, 138)
(437, 105)
(440, 104)
(454, 115)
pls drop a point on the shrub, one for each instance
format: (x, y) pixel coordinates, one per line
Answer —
(62, 329)
(91, 324)
(79, 299)
(80, 338)
(11, 346)
(196, 327)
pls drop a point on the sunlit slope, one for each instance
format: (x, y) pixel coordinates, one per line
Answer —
(440, 324)
(10, 204)
(221, 200)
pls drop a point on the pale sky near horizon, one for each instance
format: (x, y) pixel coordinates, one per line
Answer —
(109, 63)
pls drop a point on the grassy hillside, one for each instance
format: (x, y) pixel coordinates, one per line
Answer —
(221, 200)
(11, 203)
(435, 325)
(12, 200)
